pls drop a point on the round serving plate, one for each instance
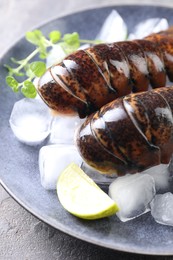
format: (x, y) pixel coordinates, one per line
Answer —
(19, 173)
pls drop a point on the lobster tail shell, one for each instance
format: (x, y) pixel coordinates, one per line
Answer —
(94, 152)
(57, 98)
(88, 79)
(137, 131)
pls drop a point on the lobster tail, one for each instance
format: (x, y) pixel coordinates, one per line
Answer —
(88, 79)
(135, 130)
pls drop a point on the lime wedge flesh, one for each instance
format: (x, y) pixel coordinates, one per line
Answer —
(81, 196)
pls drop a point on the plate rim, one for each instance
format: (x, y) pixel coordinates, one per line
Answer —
(45, 22)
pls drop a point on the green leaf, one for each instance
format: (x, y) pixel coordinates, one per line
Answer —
(28, 89)
(71, 42)
(68, 49)
(54, 36)
(11, 82)
(71, 38)
(38, 68)
(34, 37)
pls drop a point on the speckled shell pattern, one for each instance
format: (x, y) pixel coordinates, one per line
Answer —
(88, 79)
(129, 134)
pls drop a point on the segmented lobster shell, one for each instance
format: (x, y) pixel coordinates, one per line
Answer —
(88, 79)
(129, 134)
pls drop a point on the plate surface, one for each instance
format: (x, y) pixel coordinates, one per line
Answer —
(19, 172)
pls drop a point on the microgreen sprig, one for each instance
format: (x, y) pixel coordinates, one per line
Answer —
(29, 69)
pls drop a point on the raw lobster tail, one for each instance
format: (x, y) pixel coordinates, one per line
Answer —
(130, 134)
(88, 79)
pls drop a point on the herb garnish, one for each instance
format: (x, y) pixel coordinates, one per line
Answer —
(69, 42)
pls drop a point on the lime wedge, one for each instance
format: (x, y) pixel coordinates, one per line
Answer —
(81, 196)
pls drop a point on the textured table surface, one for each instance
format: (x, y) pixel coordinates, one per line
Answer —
(22, 236)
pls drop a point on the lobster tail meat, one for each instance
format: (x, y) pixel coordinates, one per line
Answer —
(104, 72)
(136, 130)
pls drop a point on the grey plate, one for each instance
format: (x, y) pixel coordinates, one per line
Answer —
(19, 168)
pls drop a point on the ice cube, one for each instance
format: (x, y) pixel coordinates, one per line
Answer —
(30, 121)
(133, 194)
(84, 46)
(144, 28)
(100, 178)
(53, 159)
(56, 55)
(161, 175)
(63, 129)
(162, 208)
(113, 29)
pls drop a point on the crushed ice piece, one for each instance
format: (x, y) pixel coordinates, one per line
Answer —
(161, 175)
(56, 55)
(113, 29)
(133, 194)
(144, 28)
(100, 178)
(35, 82)
(63, 129)
(162, 208)
(30, 121)
(84, 46)
(53, 159)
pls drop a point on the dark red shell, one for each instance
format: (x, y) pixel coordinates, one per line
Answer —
(88, 79)
(129, 134)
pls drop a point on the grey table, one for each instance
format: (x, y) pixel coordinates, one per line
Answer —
(22, 236)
